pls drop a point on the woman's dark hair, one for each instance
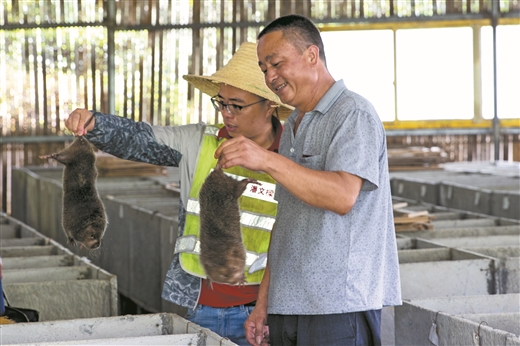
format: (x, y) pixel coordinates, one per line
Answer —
(298, 30)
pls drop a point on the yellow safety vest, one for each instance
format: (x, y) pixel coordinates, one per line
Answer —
(257, 214)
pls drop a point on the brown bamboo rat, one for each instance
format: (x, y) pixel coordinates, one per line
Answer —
(83, 219)
(222, 252)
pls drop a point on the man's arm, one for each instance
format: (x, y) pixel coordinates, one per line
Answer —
(257, 331)
(122, 137)
(336, 191)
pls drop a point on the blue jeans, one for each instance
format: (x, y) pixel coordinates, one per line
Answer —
(226, 322)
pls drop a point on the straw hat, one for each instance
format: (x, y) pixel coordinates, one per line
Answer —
(241, 71)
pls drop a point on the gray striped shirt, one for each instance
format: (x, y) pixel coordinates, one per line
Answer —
(322, 262)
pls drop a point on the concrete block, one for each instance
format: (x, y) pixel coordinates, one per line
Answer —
(7, 231)
(463, 197)
(508, 322)
(178, 339)
(418, 190)
(19, 184)
(459, 320)
(22, 242)
(509, 273)
(470, 242)
(438, 214)
(65, 300)
(464, 223)
(140, 237)
(46, 274)
(485, 191)
(26, 185)
(504, 252)
(506, 203)
(161, 328)
(25, 251)
(39, 273)
(37, 261)
(50, 207)
(445, 272)
(406, 243)
(471, 231)
(138, 247)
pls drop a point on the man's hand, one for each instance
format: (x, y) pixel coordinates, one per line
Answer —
(257, 331)
(80, 121)
(240, 151)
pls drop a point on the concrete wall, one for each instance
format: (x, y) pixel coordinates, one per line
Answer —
(151, 329)
(445, 272)
(509, 259)
(138, 245)
(39, 273)
(469, 191)
(459, 320)
(430, 269)
(141, 233)
(459, 232)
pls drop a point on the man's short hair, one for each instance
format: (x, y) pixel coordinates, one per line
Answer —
(298, 30)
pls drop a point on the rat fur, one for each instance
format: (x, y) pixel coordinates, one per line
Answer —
(222, 252)
(84, 218)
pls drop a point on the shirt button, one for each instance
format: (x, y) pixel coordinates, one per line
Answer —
(292, 150)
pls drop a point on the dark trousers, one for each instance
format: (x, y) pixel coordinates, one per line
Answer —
(355, 328)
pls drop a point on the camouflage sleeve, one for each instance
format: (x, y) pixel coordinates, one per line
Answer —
(130, 140)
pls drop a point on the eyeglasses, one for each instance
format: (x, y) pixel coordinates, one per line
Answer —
(230, 107)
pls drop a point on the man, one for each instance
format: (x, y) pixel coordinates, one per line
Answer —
(249, 110)
(332, 261)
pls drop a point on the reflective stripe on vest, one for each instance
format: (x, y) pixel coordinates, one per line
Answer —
(247, 219)
(257, 214)
(191, 244)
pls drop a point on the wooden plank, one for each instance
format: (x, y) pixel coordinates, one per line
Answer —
(36, 89)
(151, 43)
(418, 226)
(129, 173)
(160, 120)
(133, 64)
(126, 47)
(141, 90)
(516, 149)
(46, 123)
(299, 7)
(414, 168)
(402, 212)
(83, 70)
(194, 63)
(408, 220)
(399, 205)
(243, 18)
(111, 166)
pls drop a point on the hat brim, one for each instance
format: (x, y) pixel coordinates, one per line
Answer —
(242, 72)
(211, 87)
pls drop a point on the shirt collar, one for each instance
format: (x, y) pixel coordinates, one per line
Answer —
(278, 127)
(330, 96)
